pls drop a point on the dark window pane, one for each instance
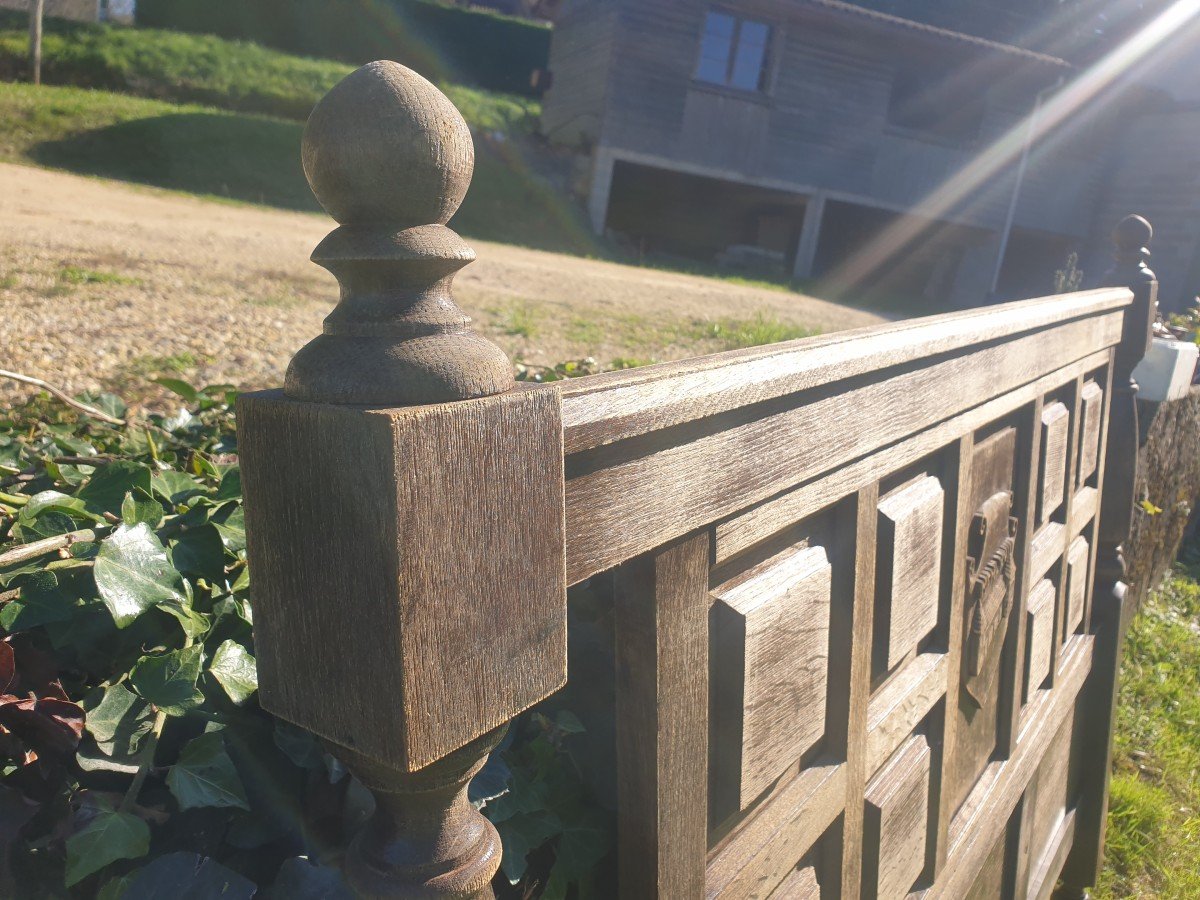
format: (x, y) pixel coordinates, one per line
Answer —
(719, 25)
(748, 66)
(751, 57)
(715, 48)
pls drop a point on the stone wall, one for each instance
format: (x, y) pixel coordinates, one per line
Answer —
(1169, 478)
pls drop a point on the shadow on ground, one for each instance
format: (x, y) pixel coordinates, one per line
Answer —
(257, 160)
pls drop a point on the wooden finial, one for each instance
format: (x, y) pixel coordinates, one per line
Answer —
(1131, 243)
(390, 158)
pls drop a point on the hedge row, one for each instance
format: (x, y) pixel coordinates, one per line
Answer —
(492, 51)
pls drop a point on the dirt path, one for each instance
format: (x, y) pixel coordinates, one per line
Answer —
(107, 285)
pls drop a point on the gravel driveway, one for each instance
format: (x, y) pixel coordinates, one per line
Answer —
(103, 284)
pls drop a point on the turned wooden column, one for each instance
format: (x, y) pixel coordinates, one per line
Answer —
(1110, 610)
(404, 501)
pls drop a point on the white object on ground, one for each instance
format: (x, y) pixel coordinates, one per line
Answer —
(1167, 369)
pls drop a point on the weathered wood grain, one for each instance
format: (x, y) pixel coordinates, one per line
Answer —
(626, 498)
(738, 533)
(1056, 422)
(896, 823)
(1091, 413)
(908, 568)
(1046, 548)
(373, 619)
(941, 794)
(1047, 797)
(770, 646)
(618, 405)
(662, 720)
(756, 857)
(1077, 584)
(1043, 878)
(979, 708)
(1040, 639)
(802, 884)
(984, 815)
(900, 705)
(1083, 508)
(858, 691)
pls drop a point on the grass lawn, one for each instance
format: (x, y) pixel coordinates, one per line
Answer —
(1154, 814)
(255, 158)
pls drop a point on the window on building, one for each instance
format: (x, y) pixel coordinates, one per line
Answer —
(938, 104)
(733, 52)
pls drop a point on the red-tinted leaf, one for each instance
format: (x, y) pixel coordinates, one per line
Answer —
(8, 666)
(36, 668)
(47, 726)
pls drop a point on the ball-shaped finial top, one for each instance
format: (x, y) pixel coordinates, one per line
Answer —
(385, 146)
(1132, 235)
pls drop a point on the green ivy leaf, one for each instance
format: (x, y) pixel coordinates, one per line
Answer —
(57, 501)
(119, 721)
(107, 488)
(200, 552)
(205, 775)
(50, 523)
(232, 527)
(169, 680)
(231, 484)
(112, 835)
(133, 573)
(179, 387)
(235, 670)
(521, 835)
(193, 623)
(39, 601)
(138, 507)
(175, 487)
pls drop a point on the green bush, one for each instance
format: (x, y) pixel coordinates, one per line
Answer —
(445, 42)
(134, 752)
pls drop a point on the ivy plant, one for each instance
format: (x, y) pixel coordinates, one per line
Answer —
(136, 760)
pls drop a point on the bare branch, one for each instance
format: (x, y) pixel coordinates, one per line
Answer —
(63, 396)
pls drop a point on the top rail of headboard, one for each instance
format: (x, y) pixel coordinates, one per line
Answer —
(601, 409)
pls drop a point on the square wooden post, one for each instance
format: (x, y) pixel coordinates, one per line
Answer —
(404, 501)
(1111, 613)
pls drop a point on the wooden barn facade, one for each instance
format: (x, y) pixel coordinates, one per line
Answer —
(821, 139)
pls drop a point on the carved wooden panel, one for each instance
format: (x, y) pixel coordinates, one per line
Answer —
(895, 824)
(1040, 633)
(978, 702)
(909, 567)
(1090, 411)
(1077, 578)
(1052, 482)
(770, 649)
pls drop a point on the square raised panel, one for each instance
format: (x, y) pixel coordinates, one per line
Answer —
(909, 568)
(1040, 633)
(1091, 406)
(770, 654)
(1053, 475)
(896, 823)
(1077, 583)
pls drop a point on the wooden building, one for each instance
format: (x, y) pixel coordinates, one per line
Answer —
(828, 139)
